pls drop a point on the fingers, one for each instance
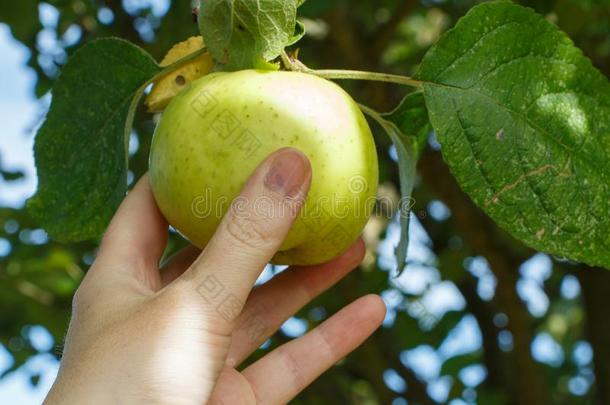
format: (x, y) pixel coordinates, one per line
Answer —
(255, 226)
(136, 237)
(232, 388)
(283, 373)
(269, 306)
(178, 264)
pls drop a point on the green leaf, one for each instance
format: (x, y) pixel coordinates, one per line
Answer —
(411, 118)
(524, 123)
(243, 34)
(81, 150)
(406, 149)
(300, 32)
(408, 126)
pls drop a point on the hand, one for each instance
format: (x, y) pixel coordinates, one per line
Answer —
(144, 334)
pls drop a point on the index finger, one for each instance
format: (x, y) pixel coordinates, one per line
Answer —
(255, 227)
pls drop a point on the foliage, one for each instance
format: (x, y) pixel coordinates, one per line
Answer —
(242, 34)
(522, 117)
(81, 153)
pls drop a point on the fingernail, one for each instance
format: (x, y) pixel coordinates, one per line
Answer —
(288, 173)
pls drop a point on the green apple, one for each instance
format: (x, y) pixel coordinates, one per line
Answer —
(212, 137)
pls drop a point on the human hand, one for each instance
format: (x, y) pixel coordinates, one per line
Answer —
(145, 333)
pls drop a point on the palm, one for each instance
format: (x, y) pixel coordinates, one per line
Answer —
(283, 373)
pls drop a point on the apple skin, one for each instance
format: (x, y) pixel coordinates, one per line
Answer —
(212, 137)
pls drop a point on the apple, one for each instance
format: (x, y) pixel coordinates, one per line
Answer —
(214, 134)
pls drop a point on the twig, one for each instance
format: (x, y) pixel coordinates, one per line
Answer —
(297, 66)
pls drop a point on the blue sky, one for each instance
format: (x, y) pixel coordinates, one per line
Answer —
(19, 114)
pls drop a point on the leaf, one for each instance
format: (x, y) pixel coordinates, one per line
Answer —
(408, 126)
(524, 123)
(170, 85)
(407, 163)
(411, 118)
(243, 34)
(81, 149)
(300, 32)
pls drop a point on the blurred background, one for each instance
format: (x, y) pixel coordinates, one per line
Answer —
(476, 318)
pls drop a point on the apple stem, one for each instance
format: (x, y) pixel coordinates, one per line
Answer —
(298, 66)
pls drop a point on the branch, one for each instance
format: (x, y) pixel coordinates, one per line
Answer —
(336, 74)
